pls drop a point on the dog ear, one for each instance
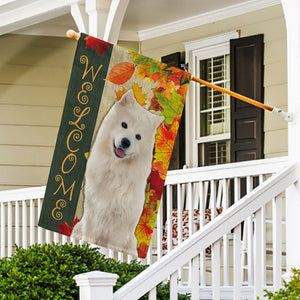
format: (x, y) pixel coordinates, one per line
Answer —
(157, 120)
(127, 98)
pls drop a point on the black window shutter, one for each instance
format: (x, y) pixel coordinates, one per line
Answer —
(178, 156)
(246, 77)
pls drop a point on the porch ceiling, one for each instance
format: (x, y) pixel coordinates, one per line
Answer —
(143, 19)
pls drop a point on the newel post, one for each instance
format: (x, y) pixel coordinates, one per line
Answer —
(96, 285)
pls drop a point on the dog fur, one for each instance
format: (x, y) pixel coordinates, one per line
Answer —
(116, 176)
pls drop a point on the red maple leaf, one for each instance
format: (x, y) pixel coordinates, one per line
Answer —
(65, 228)
(142, 250)
(94, 43)
(176, 77)
(155, 180)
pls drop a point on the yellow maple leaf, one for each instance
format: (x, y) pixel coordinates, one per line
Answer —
(120, 93)
(141, 98)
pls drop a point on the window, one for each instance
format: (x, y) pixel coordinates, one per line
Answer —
(214, 112)
(208, 110)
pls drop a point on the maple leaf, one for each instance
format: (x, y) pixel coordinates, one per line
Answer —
(154, 105)
(139, 58)
(155, 180)
(142, 250)
(141, 98)
(185, 78)
(94, 43)
(121, 73)
(176, 76)
(143, 231)
(171, 108)
(120, 93)
(65, 228)
(75, 221)
(158, 166)
(143, 71)
(164, 142)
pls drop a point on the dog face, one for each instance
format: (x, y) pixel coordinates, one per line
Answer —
(132, 128)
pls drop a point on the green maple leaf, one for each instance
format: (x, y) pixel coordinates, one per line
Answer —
(172, 108)
(140, 59)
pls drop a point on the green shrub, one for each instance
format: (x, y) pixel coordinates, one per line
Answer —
(43, 272)
(290, 291)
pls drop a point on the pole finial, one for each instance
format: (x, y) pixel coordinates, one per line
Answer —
(73, 34)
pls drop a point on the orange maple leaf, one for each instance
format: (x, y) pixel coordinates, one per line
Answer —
(120, 93)
(121, 73)
(164, 142)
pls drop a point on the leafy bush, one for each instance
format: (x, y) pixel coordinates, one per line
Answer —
(43, 272)
(290, 291)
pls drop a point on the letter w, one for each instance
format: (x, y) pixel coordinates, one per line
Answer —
(91, 69)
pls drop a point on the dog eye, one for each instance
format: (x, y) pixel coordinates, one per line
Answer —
(138, 137)
(124, 125)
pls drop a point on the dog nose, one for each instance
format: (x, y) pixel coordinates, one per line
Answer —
(125, 143)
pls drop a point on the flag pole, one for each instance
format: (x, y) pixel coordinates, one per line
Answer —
(287, 116)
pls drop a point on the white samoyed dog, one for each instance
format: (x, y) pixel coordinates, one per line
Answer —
(116, 175)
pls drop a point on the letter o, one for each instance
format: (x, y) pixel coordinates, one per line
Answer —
(71, 157)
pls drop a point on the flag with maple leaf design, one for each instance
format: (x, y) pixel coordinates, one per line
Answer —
(101, 76)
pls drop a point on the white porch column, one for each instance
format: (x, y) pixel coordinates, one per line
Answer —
(105, 18)
(292, 18)
(96, 285)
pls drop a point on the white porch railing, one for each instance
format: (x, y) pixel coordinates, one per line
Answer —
(188, 192)
(191, 250)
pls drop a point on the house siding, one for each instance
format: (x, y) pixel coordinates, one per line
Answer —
(34, 76)
(270, 22)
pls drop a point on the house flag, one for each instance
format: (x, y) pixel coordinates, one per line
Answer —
(118, 128)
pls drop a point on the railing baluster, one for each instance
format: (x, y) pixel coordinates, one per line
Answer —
(213, 199)
(169, 217)
(258, 287)
(173, 286)
(32, 222)
(152, 294)
(149, 254)
(40, 230)
(179, 228)
(216, 276)
(190, 208)
(224, 204)
(277, 241)
(17, 224)
(263, 240)
(249, 229)
(24, 224)
(194, 282)
(48, 240)
(237, 276)
(202, 201)
(159, 231)
(9, 229)
(2, 224)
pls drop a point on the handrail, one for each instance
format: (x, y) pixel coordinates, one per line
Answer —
(247, 168)
(210, 233)
(231, 170)
(22, 194)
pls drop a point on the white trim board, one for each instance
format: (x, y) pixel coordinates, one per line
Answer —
(206, 18)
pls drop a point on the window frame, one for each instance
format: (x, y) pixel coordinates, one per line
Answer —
(195, 51)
